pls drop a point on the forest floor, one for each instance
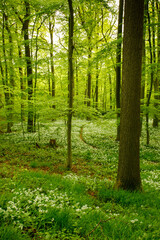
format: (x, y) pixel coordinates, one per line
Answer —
(40, 199)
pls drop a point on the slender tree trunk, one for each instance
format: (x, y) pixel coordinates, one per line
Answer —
(118, 66)
(110, 85)
(22, 86)
(77, 77)
(29, 67)
(129, 166)
(89, 77)
(3, 83)
(70, 85)
(51, 28)
(105, 96)
(11, 71)
(97, 84)
(156, 82)
(35, 82)
(152, 78)
(5, 78)
(49, 79)
(143, 61)
(97, 70)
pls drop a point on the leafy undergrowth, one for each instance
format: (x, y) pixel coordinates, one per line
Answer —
(40, 199)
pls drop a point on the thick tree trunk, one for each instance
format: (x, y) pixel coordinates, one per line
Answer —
(118, 66)
(70, 85)
(129, 167)
(158, 43)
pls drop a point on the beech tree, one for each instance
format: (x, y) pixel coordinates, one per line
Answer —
(158, 42)
(51, 29)
(70, 83)
(118, 67)
(129, 165)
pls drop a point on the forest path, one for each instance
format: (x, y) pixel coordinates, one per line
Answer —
(81, 137)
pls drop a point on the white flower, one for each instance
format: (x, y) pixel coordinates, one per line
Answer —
(134, 220)
(84, 207)
(78, 210)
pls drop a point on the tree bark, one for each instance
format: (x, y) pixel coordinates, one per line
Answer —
(22, 85)
(118, 66)
(143, 62)
(70, 84)
(5, 79)
(128, 176)
(152, 76)
(158, 42)
(30, 124)
(11, 72)
(110, 86)
(156, 82)
(89, 77)
(51, 28)
(97, 71)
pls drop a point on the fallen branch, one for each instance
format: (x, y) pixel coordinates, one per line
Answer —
(98, 224)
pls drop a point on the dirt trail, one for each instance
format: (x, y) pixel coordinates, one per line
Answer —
(81, 137)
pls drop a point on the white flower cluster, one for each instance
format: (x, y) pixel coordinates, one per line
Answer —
(153, 179)
(134, 220)
(27, 205)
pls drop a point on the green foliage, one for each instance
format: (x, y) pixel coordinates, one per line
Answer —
(11, 233)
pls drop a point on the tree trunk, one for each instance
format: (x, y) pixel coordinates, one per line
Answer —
(104, 97)
(22, 86)
(51, 28)
(156, 82)
(158, 42)
(77, 77)
(143, 62)
(97, 70)
(89, 73)
(70, 85)
(152, 77)
(11, 72)
(129, 167)
(29, 67)
(97, 84)
(35, 82)
(5, 80)
(118, 66)
(110, 85)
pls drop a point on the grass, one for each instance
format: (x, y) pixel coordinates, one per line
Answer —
(40, 199)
